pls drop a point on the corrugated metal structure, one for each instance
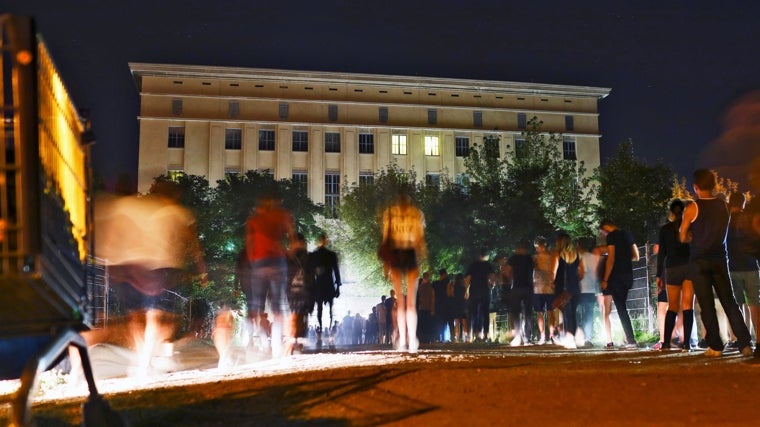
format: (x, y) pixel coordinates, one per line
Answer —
(47, 280)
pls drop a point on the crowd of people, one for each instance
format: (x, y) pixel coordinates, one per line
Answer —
(553, 292)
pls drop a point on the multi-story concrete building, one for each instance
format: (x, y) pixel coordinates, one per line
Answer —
(327, 129)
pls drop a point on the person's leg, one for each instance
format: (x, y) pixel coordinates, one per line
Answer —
(541, 326)
(687, 313)
(619, 297)
(396, 279)
(703, 289)
(586, 316)
(411, 309)
(606, 307)
(527, 312)
(728, 301)
(673, 306)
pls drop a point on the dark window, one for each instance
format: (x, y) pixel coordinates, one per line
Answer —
(462, 146)
(234, 108)
(332, 192)
(432, 117)
(521, 148)
(491, 147)
(176, 107)
(433, 180)
(366, 178)
(568, 150)
(332, 112)
(366, 143)
(332, 142)
(477, 119)
(522, 121)
(176, 137)
(300, 140)
(300, 180)
(283, 111)
(569, 123)
(233, 139)
(383, 113)
(266, 140)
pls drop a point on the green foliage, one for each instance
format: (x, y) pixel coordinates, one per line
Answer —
(634, 194)
(359, 225)
(221, 213)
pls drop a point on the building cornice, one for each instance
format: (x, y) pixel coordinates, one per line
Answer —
(140, 70)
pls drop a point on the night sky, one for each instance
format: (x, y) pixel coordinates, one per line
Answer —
(675, 67)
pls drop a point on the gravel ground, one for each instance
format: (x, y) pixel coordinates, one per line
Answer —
(444, 385)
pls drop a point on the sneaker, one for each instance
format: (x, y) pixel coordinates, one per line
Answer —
(516, 341)
(702, 344)
(569, 342)
(747, 351)
(414, 346)
(630, 346)
(541, 341)
(658, 346)
(609, 346)
(732, 345)
(713, 353)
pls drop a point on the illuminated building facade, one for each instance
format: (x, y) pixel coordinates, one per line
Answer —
(328, 129)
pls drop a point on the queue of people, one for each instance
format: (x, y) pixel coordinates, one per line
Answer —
(555, 293)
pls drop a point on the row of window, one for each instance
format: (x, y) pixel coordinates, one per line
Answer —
(332, 114)
(300, 142)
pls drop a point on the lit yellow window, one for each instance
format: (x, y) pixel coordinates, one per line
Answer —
(398, 145)
(431, 146)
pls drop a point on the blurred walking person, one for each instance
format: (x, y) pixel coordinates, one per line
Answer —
(265, 231)
(520, 278)
(591, 294)
(148, 243)
(404, 233)
(544, 267)
(324, 264)
(570, 271)
(478, 278)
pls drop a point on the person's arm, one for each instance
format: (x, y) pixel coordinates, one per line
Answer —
(690, 213)
(555, 265)
(336, 272)
(634, 252)
(661, 254)
(581, 267)
(608, 266)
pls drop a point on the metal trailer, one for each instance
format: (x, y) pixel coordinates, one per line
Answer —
(46, 238)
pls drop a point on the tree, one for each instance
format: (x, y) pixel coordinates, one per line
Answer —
(633, 194)
(359, 224)
(221, 213)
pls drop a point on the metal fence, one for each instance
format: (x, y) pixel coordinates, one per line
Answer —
(642, 297)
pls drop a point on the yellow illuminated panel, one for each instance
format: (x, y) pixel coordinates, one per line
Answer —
(61, 153)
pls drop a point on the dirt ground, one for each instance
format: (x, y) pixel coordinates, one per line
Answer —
(445, 385)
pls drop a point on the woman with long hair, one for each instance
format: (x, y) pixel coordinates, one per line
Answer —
(672, 274)
(568, 277)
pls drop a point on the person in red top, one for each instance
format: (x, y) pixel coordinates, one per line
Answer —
(267, 232)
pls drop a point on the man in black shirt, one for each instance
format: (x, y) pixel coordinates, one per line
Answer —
(520, 273)
(478, 278)
(705, 225)
(618, 273)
